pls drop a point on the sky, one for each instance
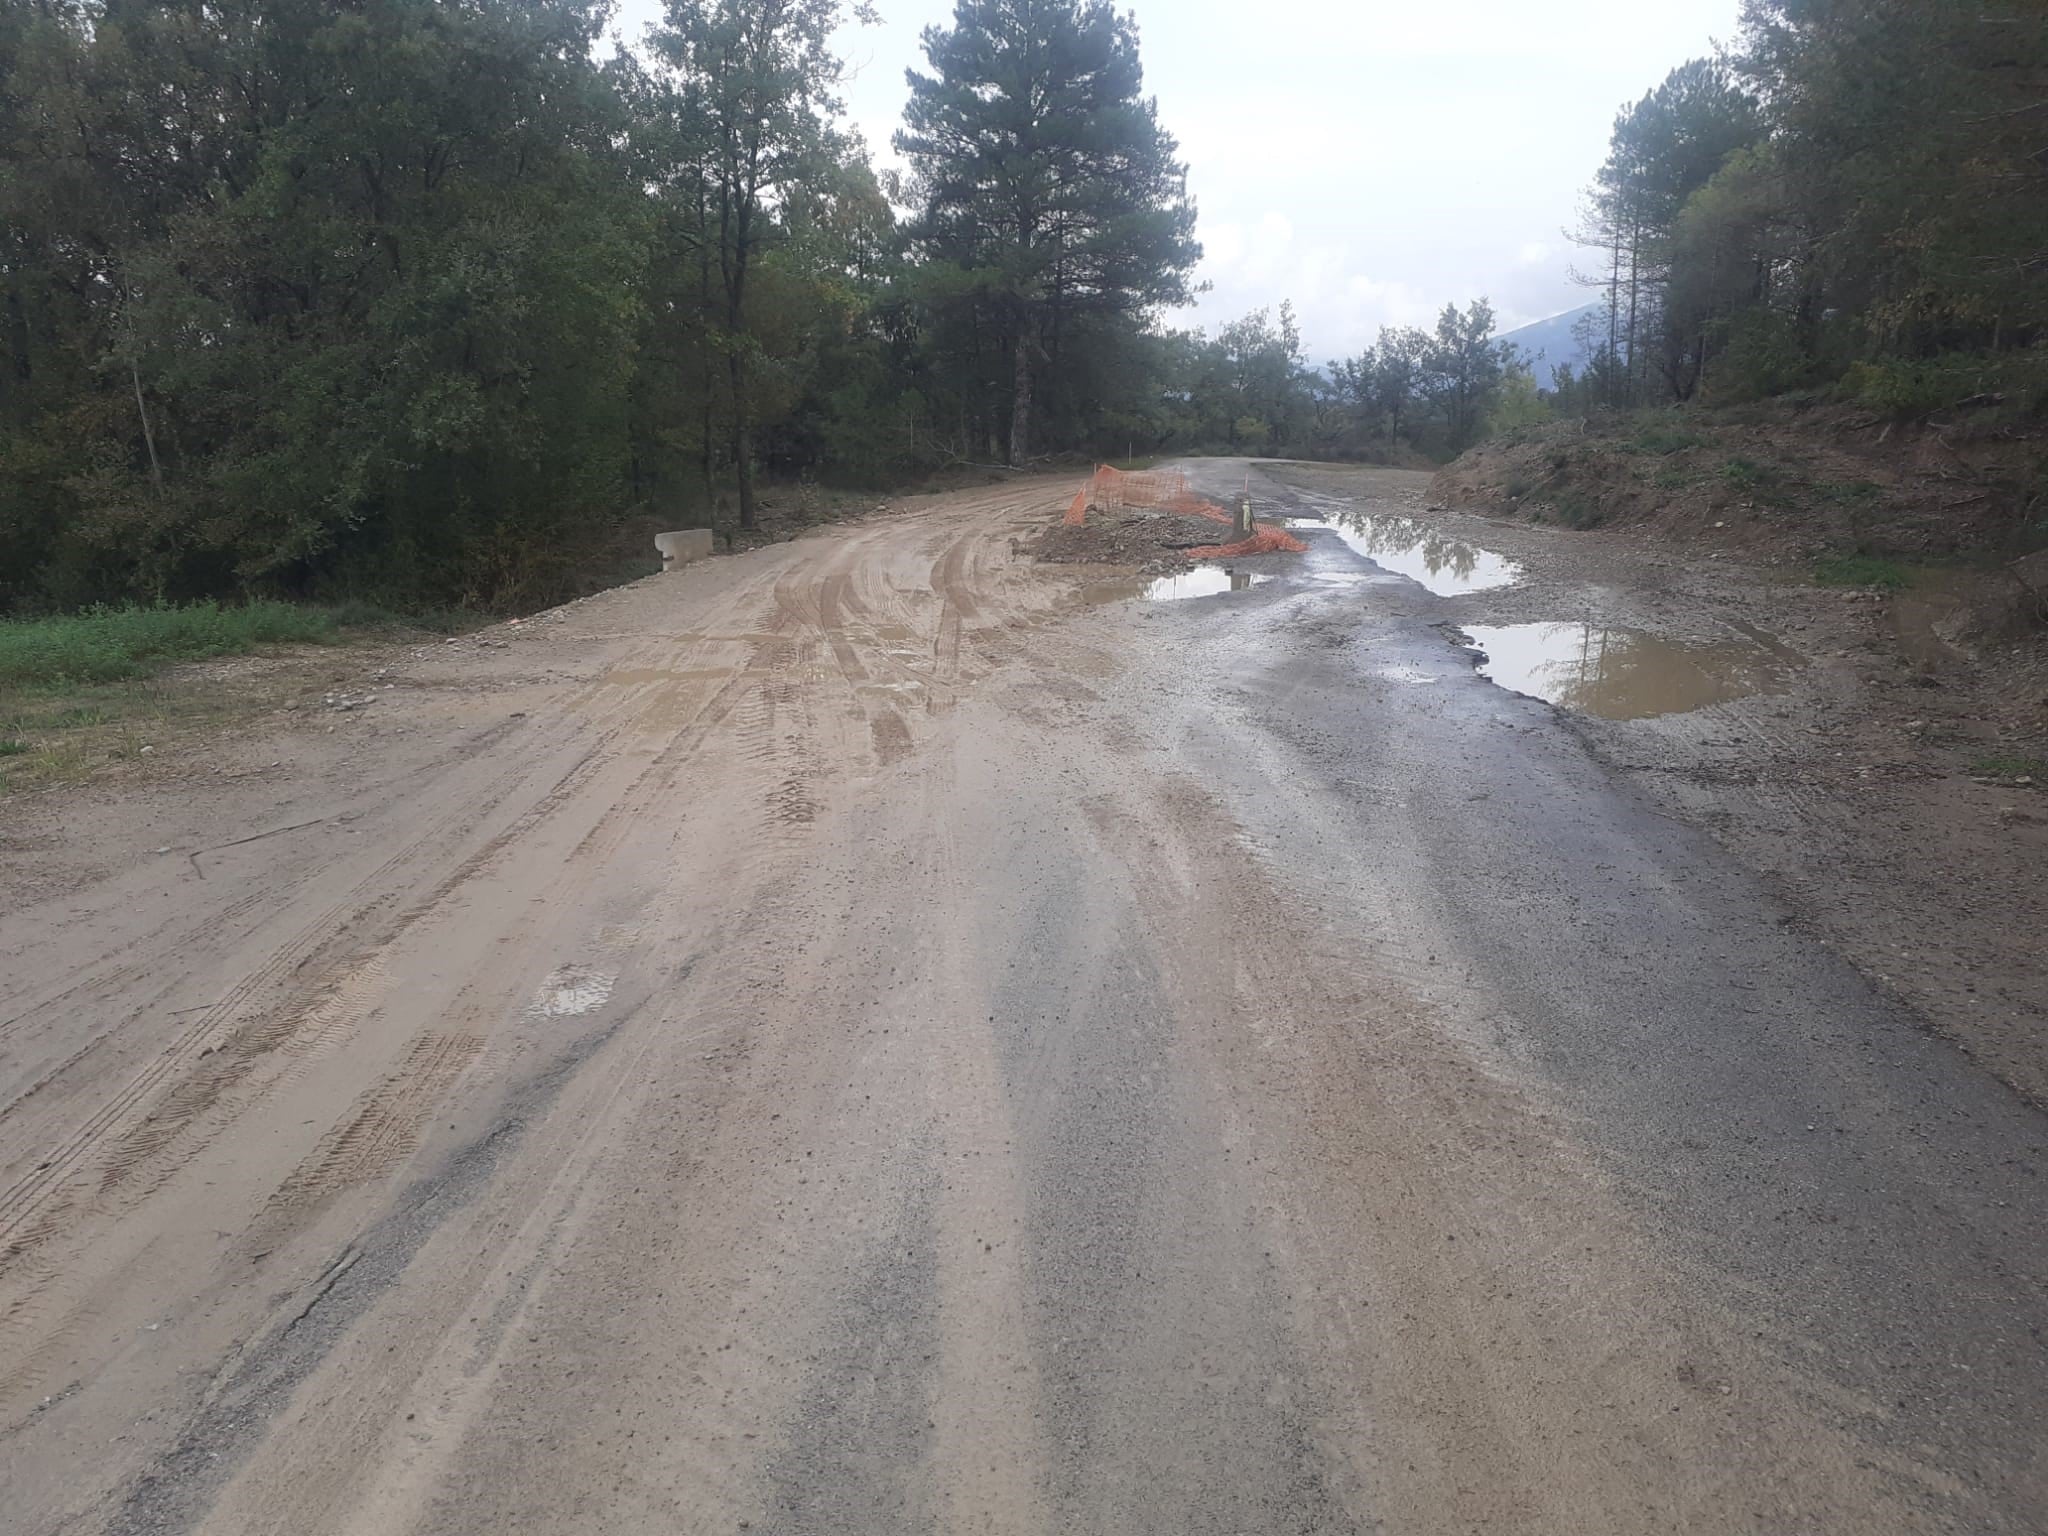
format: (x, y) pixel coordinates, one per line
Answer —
(1369, 160)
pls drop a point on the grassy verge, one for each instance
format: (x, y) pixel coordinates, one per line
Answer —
(81, 692)
(1862, 571)
(112, 643)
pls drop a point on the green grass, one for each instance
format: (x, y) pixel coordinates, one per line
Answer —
(1862, 571)
(2010, 767)
(108, 644)
(1662, 440)
(1849, 493)
(1746, 474)
(13, 748)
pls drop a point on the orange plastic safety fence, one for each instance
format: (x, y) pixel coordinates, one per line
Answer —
(1265, 540)
(1121, 490)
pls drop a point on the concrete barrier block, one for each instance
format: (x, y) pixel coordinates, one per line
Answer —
(683, 548)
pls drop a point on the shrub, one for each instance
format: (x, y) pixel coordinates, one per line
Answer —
(1576, 511)
(1761, 354)
(1661, 439)
(1744, 474)
(1907, 388)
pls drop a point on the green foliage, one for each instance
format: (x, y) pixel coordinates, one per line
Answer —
(1744, 474)
(1756, 352)
(1862, 571)
(1440, 390)
(1856, 195)
(105, 644)
(1049, 196)
(1662, 438)
(1577, 511)
(1909, 135)
(364, 314)
(2010, 765)
(1910, 388)
(1518, 405)
(1849, 493)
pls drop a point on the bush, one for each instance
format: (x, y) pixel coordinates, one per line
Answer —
(1743, 474)
(1662, 438)
(1760, 354)
(1908, 388)
(106, 644)
(1576, 511)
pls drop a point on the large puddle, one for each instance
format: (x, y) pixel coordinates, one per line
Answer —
(1624, 674)
(1410, 547)
(1202, 581)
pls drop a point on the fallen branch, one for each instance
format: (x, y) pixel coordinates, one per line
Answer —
(255, 837)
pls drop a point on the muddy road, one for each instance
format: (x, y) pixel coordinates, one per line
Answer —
(859, 1038)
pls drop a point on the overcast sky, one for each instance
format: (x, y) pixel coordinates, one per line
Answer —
(1367, 159)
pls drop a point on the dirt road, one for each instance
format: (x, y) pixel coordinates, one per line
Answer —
(853, 1038)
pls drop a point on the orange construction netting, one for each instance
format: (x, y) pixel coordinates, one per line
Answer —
(1167, 489)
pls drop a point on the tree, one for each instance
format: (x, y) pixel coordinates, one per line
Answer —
(310, 291)
(1258, 366)
(755, 78)
(1464, 369)
(1044, 180)
(1910, 136)
(1398, 360)
(1664, 148)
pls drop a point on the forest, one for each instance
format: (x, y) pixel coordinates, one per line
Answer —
(417, 300)
(1854, 198)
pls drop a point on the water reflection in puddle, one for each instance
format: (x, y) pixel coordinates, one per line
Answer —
(1202, 581)
(1409, 547)
(1623, 674)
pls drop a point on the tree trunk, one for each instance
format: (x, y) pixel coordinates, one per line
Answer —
(742, 439)
(156, 470)
(17, 349)
(1020, 397)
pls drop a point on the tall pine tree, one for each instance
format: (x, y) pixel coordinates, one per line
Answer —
(1045, 178)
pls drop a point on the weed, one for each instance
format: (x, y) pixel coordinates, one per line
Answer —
(1848, 493)
(1575, 511)
(1663, 440)
(2004, 766)
(13, 748)
(58, 761)
(1672, 478)
(1862, 571)
(1746, 474)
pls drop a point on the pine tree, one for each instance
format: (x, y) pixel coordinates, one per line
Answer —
(1045, 179)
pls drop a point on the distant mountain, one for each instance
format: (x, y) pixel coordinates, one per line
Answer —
(1552, 339)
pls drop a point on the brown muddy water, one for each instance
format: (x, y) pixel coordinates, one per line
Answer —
(1625, 674)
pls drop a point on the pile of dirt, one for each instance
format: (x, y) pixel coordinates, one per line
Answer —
(1780, 479)
(1149, 540)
